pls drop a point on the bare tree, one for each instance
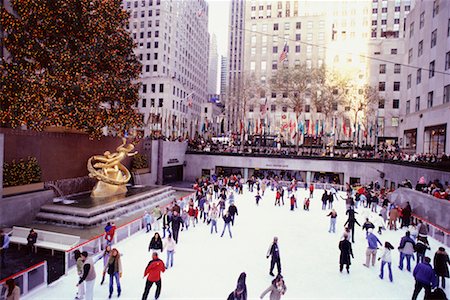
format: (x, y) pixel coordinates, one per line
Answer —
(361, 100)
(329, 93)
(294, 84)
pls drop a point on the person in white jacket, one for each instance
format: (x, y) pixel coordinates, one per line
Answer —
(379, 223)
(386, 259)
(169, 245)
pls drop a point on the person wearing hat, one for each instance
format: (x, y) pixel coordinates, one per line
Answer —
(275, 253)
(153, 272)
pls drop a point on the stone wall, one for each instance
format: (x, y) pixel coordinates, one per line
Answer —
(426, 206)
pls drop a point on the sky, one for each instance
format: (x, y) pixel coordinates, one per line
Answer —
(219, 11)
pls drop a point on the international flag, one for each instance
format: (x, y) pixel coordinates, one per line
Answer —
(284, 53)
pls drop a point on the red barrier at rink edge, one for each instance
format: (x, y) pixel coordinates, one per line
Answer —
(23, 272)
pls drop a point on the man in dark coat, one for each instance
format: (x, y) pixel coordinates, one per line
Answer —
(425, 278)
(351, 221)
(275, 253)
(232, 210)
(406, 215)
(346, 251)
(176, 224)
(441, 262)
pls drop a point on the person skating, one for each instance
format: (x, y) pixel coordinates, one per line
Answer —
(257, 198)
(386, 258)
(12, 290)
(421, 248)
(293, 202)
(406, 248)
(425, 278)
(276, 289)
(277, 198)
(114, 269)
(233, 211)
(379, 223)
(157, 215)
(169, 245)
(324, 200)
(105, 256)
(191, 213)
(213, 215)
(227, 221)
(351, 221)
(406, 215)
(441, 262)
(156, 244)
(274, 252)
(176, 224)
(333, 216)
(306, 204)
(153, 272)
(79, 264)
(346, 251)
(221, 206)
(368, 225)
(166, 220)
(240, 293)
(311, 190)
(4, 246)
(88, 275)
(282, 195)
(148, 220)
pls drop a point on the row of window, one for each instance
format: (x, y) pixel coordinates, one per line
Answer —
(382, 86)
(153, 88)
(430, 71)
(395, 103)
(430, 100)
(397, 69)
(143, 3)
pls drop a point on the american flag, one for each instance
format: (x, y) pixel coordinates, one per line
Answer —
(284, 53)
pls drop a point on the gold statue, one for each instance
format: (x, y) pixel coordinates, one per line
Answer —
(110, 173)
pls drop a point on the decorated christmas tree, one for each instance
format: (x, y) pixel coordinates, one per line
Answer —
(69, 64)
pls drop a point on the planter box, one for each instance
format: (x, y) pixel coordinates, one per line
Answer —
(141, 171)
(22, 189)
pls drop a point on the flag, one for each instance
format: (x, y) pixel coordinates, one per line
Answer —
(317, 127)
(264, 108)
(344, 128)
(284, 53)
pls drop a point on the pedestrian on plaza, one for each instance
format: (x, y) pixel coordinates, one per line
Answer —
(213, 215)
(114, 269)
(324, 200)
(274, 252)
(4, 246)
(233, 211)
(227, 221)
(170, 248)
(441, 262)
(351, 221)
(425, 278)
(153, 272)
(257, 198)
(156, 244)
(333, 216)
(421, 248)
(148, 220)
(31, 240)
(371, 251)
(88, 275)
(406, 248)
(276, 289)
(79, 264)
(386, 259)
(12, 290)
(346, 251)
(176, 224)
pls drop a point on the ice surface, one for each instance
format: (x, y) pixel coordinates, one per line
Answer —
(207, 266)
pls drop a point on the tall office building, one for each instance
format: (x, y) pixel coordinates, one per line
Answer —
(223, 77)
(425, 100)
(172, 44)
(213, 62)
(235, 62)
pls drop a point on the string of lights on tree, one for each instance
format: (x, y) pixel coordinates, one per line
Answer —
(70, 64)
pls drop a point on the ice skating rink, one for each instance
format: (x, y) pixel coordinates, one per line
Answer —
(207, 266)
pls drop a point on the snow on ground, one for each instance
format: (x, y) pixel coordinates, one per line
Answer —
(207, 266)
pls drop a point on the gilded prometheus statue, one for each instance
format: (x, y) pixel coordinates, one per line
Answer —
(110, 173)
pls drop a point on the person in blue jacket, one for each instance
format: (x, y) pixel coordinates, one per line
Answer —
(425, 278)
(372, 243)
(4, 246)
(406, 251)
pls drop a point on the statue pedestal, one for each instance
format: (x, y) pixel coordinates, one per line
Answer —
(102, 189)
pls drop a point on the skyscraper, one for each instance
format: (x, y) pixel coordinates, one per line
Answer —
(212, 69)
(172, 44)
(223, 77)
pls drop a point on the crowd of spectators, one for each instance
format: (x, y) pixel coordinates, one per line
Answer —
(434, 188)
